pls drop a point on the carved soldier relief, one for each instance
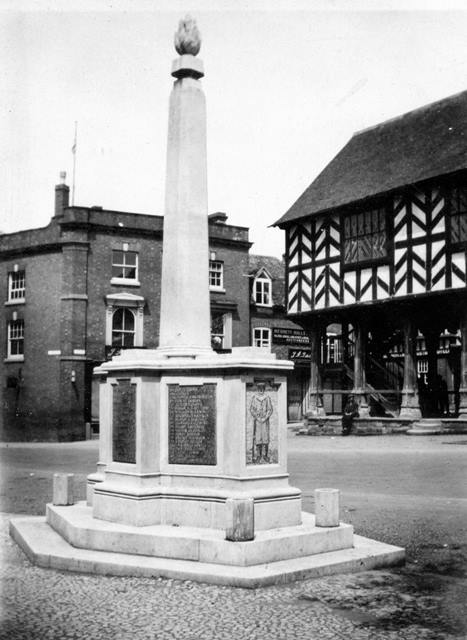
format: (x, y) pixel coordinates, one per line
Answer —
(261, 422)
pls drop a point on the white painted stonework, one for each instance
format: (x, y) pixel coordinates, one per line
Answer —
(153, 491)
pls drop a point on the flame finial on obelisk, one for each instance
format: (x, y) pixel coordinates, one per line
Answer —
(187, 38)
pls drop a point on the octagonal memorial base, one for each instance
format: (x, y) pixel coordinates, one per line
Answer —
(69, 538)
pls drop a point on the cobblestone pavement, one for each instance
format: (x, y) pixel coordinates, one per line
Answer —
(401, 491)
(45, 604)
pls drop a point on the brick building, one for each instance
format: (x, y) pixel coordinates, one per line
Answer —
(88, 284)
(82, 287)
(271, 328)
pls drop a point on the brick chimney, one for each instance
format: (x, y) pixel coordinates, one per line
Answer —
(62, 195)
(218, 218)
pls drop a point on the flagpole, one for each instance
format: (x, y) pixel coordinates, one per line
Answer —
(73, 149)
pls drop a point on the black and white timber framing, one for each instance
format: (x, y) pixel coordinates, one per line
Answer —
(378, 243)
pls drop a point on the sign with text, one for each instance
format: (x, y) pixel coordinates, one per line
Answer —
(283, 335)
(124, 422)
(300, 354)
(192, 424)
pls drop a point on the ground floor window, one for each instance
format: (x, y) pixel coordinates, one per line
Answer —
(221, 329)
(217, 330)
(262, 337)
(123, 328)
(124, 320)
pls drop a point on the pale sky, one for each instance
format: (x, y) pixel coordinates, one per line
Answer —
(287, 83)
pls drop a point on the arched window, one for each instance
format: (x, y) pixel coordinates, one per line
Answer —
(124, 320)
(123, 328)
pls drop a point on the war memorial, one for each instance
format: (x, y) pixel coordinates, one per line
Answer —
(192, 478)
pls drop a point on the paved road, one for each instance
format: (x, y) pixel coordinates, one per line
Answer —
(407, 491)
(410, 491)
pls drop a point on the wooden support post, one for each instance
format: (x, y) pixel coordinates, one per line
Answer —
(463, 372)
(345, 342)
(359, 370)
(432, 344)
(410, 407)
(315, 406)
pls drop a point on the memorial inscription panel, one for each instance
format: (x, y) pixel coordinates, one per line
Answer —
(124, 422)
(192, 424)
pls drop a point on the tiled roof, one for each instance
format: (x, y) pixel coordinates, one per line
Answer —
(416, 146)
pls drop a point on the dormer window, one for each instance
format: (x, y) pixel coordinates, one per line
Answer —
(262, 290)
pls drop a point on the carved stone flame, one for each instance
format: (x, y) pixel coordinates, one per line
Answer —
(187, 38)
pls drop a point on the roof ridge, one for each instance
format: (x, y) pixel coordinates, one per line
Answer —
(408, 113)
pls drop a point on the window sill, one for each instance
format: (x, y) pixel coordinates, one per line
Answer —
(365, 264)
(14, 359)
(217, 289)
(126, 282)
(260, 304)
(10, 303)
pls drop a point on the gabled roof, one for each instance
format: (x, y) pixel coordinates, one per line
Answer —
(274, 266)
(422, 144)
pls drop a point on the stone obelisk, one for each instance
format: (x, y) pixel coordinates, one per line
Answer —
(185, 310)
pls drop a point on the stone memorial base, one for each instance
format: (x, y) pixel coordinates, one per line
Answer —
(192, 481)
(181, 433)
(69, 538)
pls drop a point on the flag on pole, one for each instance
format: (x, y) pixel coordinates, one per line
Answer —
(73, 151)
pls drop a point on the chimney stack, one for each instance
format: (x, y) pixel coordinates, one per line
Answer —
(62, 195)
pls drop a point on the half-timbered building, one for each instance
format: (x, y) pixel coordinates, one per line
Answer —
(377, 243)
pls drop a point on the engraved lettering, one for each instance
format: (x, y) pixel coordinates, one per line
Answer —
(192, 424)
(124, 422)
